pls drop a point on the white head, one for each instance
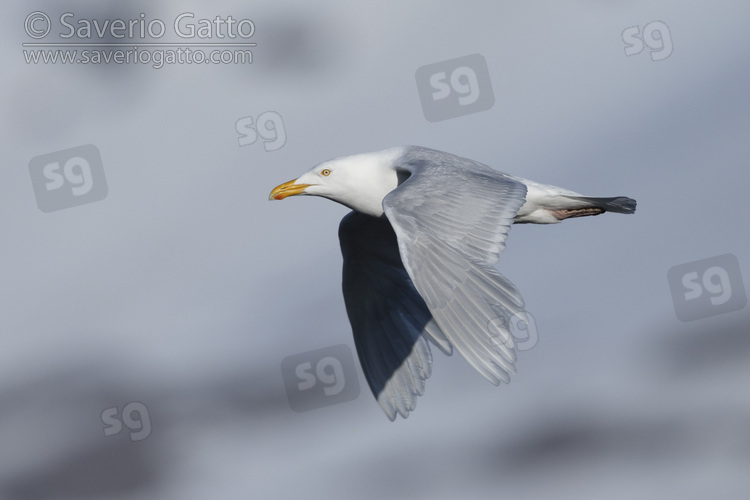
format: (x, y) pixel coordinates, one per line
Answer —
(359, 182)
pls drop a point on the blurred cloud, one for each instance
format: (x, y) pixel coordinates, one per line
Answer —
(184, 289)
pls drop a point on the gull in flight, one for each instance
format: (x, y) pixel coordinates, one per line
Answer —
(419, 250)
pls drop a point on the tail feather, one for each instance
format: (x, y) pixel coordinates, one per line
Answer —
(550, 205)
(618, 204)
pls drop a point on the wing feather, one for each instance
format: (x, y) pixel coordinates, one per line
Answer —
(390, 321)
(451, 217)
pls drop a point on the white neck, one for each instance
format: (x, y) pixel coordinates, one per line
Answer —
(370, 177)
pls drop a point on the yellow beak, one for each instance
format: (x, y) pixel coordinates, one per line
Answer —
(287, 189)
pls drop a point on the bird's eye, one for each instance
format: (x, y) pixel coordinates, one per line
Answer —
(325, 172)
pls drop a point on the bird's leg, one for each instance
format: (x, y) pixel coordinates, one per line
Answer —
(569, 213)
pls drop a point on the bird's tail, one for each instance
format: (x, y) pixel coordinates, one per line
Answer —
(550, 204)
(618, 204)
(561, 207)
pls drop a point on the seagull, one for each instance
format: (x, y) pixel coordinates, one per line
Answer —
(419, 249)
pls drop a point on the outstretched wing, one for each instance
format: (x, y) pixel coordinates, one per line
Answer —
(390, 321)
(451, 217)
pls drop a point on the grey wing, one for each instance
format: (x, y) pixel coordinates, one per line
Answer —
(390, 321)
(451, 218)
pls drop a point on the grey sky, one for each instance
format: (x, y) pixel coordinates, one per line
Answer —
(185, 288)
